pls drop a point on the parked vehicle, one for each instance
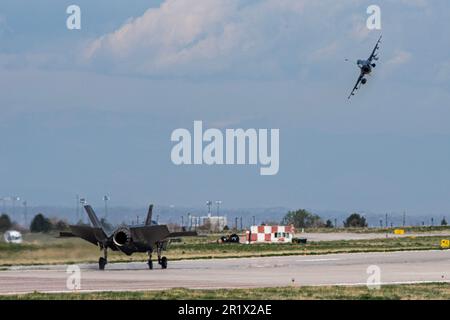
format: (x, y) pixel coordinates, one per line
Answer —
(232, 238)
(13, 236)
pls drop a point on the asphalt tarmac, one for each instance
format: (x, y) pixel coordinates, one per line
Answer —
(333, 269)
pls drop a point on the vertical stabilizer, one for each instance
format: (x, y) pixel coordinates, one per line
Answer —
(148, 221)
(93, 217)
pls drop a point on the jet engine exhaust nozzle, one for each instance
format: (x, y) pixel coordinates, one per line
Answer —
(122, 237)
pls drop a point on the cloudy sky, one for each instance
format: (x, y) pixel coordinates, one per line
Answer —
(91, 111)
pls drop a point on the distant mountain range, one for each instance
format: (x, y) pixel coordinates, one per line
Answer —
(178, 215)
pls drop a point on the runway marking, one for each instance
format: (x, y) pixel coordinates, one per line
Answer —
(318, 260)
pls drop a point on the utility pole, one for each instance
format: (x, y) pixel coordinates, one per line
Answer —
(241, 223)
(335, 223)
(209, 204)
(83, 202)
(432, 221)
(404, 218)
(189, 221)
(14, 199)
(386, 221)
(137, 219)
(106, 198)
(218, 203)
(235, 223)
(4, 205)
(78, 208)
(182, 222)
(25, 213)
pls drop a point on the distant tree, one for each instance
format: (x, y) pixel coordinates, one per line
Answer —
(355, 220)
(60, 225)
(5, 222)
(226, 228)
(40, 224)
(82, 223)
(329, 224)
(302, 219)
(443, 222)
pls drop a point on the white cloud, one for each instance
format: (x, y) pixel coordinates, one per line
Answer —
(207, 36)
(399, 57)
(443, 73)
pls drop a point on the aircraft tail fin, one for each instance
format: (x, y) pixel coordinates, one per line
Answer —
(148, 221)
(93, 217)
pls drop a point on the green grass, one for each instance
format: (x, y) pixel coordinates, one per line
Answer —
(388, 292)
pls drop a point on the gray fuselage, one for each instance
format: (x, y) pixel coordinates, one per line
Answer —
(365, 66)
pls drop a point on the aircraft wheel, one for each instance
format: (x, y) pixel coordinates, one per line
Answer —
(150, 264)
(164, 262)
(101, 263)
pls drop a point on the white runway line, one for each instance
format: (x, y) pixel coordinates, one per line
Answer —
(318, 260)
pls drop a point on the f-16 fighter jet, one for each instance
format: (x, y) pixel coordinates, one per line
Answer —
(366, 67)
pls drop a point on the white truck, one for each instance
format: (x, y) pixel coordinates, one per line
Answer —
(13, 236)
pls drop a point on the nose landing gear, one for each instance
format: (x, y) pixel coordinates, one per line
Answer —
(163, 263)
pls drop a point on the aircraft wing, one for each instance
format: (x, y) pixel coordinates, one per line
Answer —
(374, 52)
(183, 234)
(90, 234)
(149, 234)
(356, 87)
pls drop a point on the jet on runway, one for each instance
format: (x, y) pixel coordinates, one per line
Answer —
(127, 238)
(366, 67)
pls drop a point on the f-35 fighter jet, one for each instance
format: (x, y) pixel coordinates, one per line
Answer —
(148, 237)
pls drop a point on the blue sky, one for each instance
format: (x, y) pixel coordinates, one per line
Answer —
(91, 111)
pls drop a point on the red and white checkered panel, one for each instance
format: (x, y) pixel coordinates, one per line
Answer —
(268, 234)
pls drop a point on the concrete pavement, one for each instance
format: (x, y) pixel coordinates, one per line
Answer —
(333, 269)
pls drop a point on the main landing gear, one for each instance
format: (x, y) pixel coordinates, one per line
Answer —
(150, 262)
(162, 261)
(102, 261)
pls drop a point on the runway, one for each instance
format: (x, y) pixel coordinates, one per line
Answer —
(338, 236)
(333, 269)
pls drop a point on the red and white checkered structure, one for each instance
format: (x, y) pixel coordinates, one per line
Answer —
(270, 234)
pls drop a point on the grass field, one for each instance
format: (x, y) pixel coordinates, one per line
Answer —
(48, 249)
(397, 292)
(411, 229)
